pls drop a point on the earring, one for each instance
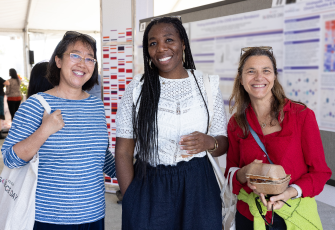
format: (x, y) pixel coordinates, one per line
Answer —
(183, 56)
(150, 64)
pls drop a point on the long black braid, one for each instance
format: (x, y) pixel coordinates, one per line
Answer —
(145, 120)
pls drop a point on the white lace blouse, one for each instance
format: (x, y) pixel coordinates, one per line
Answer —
(181, 111)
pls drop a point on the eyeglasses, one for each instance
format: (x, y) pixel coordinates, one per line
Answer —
(76, 58)
(158, 18)
(259, 207)
(265, 48)
(70, 34)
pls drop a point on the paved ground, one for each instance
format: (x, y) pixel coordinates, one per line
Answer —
(114, 210)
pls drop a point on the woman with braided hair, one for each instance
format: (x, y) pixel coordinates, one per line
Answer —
(163, 121)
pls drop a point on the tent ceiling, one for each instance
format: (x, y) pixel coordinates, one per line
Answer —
(50, 15)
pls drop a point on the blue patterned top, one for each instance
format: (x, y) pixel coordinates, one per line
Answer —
(70, 187)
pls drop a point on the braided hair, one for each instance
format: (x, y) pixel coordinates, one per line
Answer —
(145, 120)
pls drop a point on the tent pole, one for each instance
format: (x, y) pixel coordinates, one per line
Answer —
(26, 47)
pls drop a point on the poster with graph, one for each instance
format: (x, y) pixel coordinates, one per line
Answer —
(309, 57)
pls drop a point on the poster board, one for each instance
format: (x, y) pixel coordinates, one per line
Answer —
(117, 63)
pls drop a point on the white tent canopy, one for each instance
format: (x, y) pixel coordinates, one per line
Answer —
(47, 17)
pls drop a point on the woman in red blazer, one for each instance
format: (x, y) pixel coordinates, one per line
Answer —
(287, 129)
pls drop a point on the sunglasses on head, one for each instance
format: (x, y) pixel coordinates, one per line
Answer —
(265, 48)
(72, 34)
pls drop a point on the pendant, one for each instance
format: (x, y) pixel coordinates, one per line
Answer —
(263, 125)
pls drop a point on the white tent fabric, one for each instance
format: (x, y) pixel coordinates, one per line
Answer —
(46, 15)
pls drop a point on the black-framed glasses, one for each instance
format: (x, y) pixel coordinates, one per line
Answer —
(259, 207)
(76, 58)
(69, 34)
(266, 48)
(158, 18)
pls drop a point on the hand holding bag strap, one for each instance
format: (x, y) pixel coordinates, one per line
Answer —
(259, 142)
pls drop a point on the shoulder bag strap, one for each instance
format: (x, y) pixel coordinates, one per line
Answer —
(209, 97)
(44, 103)
(219, 175)
(260, 144)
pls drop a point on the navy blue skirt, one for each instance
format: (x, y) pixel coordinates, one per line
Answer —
(97, 225)
(185, 196)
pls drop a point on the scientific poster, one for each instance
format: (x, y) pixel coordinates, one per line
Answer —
(216, 43)
(309, 57)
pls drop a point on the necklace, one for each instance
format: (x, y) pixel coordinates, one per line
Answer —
(82, 91)
(263, 125)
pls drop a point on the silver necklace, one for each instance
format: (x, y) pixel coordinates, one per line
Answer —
(263, 125)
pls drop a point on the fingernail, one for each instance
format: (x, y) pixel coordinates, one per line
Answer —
(181, 148)
(187, 151)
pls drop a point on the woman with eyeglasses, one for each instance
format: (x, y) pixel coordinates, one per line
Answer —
(162, 122)
(291, 137)
(72, 141)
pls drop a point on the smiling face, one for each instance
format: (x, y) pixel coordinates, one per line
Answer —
(75, 75)
(258, 77)
(166, 48)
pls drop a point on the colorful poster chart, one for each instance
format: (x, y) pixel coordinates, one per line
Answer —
(117, 73)
(309, 63)
(117, 63)
(216, 43)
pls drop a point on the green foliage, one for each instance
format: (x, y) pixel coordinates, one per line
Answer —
(24, 86)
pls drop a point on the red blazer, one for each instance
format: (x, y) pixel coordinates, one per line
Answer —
(297, 147)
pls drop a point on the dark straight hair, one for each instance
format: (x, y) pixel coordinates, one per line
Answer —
(13, 74)
(145, 121)
(70, 38)
(38, 82)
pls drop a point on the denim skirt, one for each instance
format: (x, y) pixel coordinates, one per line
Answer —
(185, 196)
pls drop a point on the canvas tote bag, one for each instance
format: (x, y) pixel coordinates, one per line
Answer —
(228, 198)
(18, 190)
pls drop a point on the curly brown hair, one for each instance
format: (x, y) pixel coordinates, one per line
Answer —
(240, 99)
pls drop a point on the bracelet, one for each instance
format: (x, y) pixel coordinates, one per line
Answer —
(216, 145)
(298, 190)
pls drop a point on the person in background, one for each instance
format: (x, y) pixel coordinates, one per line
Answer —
(291, 136)
(3, 83)
(13, 93)
(96, 90)
(72, 141)
(163, 121)
(38, 81)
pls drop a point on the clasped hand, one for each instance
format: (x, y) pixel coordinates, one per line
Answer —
(196, 142)
(52, 123)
